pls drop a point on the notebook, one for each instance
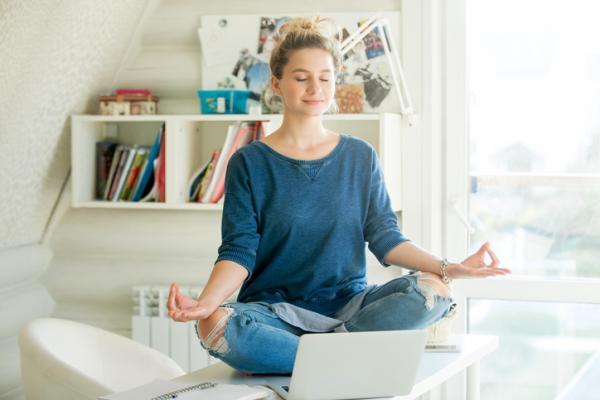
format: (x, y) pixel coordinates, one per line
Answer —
(161, 389)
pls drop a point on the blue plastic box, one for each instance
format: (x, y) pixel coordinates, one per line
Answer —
(225, 101)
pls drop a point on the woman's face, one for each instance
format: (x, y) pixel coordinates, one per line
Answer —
(307, 84)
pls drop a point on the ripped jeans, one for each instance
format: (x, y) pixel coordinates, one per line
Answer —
(253, 339)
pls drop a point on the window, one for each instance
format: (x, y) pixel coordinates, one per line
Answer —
(534, 96)
(533, 79)
(543, 347)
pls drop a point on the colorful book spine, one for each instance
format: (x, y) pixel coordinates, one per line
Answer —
(231, 133)
(209, 174)
(161, 171)
(148, 169)
(118, 171)
(105, 151)
(113, 168)
(243, 136)
(124, 173)
(138, 159)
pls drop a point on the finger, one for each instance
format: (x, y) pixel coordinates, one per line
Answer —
(483, 248)
(171, 300)
(178, 297)
(196, 313)
(180, 316)
(495, 259)
(497, 271)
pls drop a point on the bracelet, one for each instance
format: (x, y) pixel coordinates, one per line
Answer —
(443, 267)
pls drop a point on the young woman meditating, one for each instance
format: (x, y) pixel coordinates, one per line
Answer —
(299, 207)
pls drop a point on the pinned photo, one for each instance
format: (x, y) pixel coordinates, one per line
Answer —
(254, 72)
(377, 87)
(266, 37)
(373, 43)
(270, 32)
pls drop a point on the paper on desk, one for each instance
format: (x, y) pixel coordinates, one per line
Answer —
(145, 392)
(453, 344)
(226, 392)
(159, 387)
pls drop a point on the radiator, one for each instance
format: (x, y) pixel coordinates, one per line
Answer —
(151, 325)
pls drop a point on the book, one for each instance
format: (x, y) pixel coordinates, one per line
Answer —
(231, 133)
(196, 180)
(243, 136)
(161, 169)
(124, 172)
(148, 170)
(152, 194)
(118, 171)
(140, 154)
(139, 178)
(209, 174)
(160, 389)
(133, 92)
(105, 150)
(113, 167)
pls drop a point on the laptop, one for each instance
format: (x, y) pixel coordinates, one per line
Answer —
(332, 366)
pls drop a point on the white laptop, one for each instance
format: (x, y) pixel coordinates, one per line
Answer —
(331, 366)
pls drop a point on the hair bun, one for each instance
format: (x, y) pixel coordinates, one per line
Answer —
(316, 25)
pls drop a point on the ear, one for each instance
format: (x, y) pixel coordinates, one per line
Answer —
(275, 85)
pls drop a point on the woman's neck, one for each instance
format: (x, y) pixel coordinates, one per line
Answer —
(302, 132)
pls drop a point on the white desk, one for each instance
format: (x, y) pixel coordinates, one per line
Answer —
(435, 369)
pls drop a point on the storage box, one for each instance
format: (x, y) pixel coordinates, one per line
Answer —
(128, 105)
(224, 101)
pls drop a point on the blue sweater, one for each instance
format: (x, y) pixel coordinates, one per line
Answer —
(299, 226)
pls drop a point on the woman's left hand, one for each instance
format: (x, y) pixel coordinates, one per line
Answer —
(474, 266)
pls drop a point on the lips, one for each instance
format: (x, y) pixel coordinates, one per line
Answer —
(313, 102)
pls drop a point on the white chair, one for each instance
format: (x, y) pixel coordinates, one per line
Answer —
(63, 359)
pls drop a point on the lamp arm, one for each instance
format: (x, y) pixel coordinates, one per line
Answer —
(391, 53)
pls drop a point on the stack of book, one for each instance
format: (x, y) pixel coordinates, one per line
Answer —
(131, 173)
(207, 184)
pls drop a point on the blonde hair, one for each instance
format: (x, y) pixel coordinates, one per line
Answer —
(305, 33)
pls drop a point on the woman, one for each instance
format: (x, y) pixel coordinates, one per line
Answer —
(299, 207)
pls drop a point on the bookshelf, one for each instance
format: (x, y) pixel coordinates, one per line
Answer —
(190, 140)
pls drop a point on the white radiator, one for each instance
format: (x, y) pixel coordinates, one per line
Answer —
(151, 325)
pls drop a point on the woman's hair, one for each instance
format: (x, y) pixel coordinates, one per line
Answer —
(305, 33)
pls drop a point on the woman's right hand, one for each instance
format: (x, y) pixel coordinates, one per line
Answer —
(184, 308)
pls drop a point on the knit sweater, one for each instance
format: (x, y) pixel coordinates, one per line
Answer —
(300, 226)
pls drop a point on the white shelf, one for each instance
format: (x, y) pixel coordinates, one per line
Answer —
(190, 140)
(149, 206)
(220, 117)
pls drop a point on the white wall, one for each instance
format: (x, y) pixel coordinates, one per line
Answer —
(53, 55)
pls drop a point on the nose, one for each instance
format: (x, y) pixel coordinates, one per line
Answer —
(314, 87)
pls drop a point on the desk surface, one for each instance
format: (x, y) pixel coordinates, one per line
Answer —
(435, 368)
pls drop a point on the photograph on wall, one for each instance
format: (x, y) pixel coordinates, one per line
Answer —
(364, 79)
(373, 43)
(270, 32)
(252, 71)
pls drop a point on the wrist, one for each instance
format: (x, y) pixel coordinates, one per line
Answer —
(207, 302)
(445, 271)
(451, 270)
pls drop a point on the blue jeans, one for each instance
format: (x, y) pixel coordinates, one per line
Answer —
(256, 340)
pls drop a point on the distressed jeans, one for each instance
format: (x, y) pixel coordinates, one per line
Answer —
(256, 340)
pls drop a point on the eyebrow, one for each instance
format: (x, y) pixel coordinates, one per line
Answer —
(304, 70)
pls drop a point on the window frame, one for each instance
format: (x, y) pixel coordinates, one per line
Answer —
(456, 112)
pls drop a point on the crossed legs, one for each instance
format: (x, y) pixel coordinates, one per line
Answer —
(251, 338)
